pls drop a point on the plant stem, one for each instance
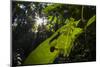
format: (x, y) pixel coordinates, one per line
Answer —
(82, 13)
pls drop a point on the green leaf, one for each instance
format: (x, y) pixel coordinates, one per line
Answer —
(55, 19)
(90, 21)
(50, 18)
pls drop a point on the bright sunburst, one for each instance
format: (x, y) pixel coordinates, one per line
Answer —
(39, 20)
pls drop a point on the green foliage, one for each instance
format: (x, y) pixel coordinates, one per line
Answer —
(68, 34)
(64, 41)
(90, 21)
(52, 7)
(50, 18)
